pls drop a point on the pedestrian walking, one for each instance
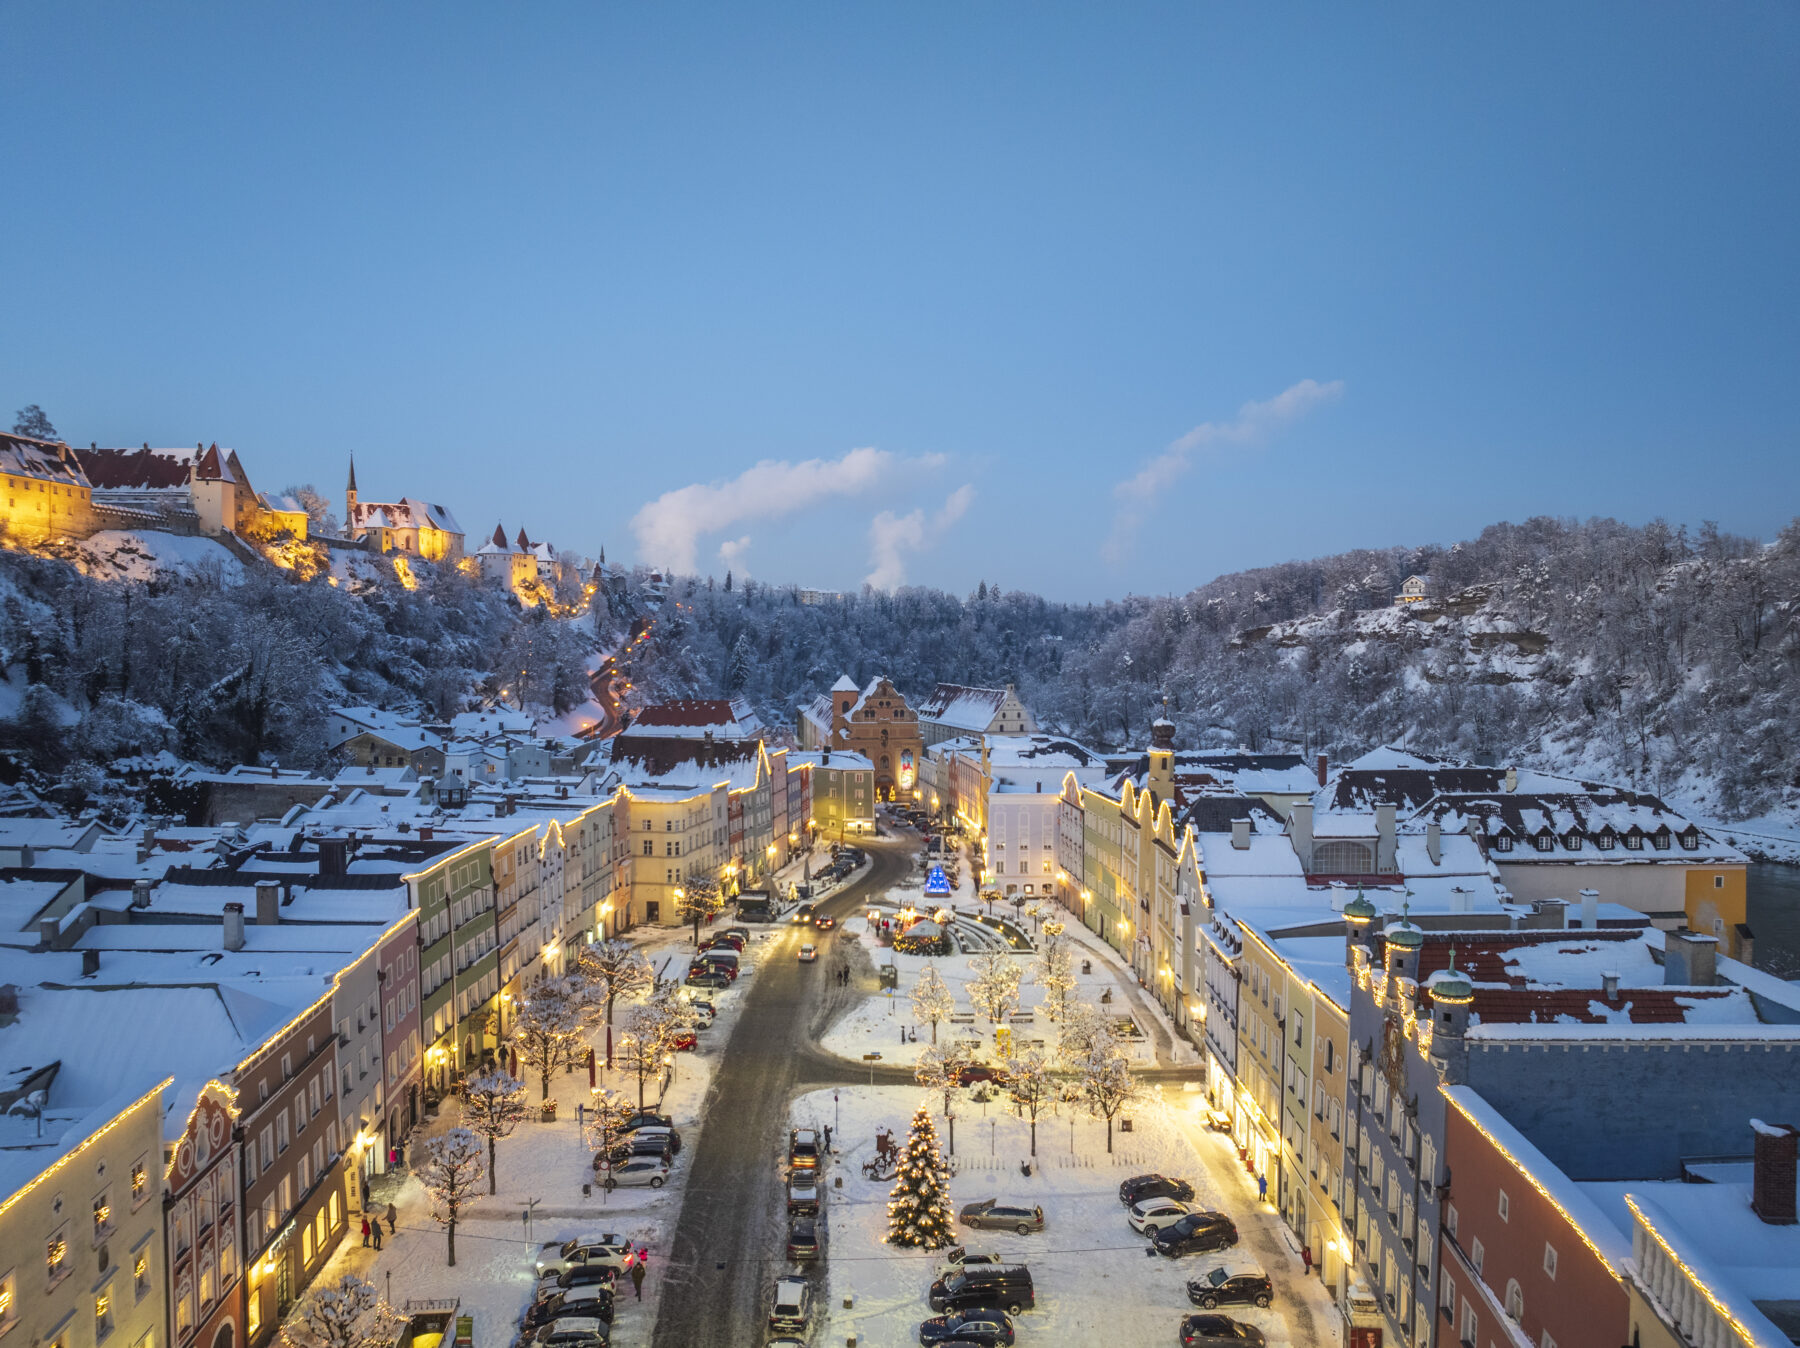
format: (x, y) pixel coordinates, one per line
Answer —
(643, 1259)
(1262, 1188)
(365, 1225)
(1306, 1258)
(828, 1137)
(637, 1279)
(375, 1231)
(392, 1215)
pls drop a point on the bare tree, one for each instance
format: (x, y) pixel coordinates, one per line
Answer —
(1107, 1083)
(941, 1068)
(545, 1027)
(493, 1105)
(697, 900)
(32, 421)
(994, 991)
(348, 1314)
(641, 1050)
(451, 1169)
(621, 970)
(932, 1000)
(1029, 1083)
(1083, 1029)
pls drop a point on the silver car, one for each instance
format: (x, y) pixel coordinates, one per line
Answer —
(991, 1215)
(638, 1171)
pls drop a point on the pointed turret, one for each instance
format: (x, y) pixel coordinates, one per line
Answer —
(500, 536)
(524, 543)
(350, 498)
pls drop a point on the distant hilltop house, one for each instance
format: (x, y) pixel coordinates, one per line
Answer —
(406, 526)
(515, 564)
(1412, 591)
(48, 494)
(954, 710)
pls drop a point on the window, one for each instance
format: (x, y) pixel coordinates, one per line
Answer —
(140, 1181)
(102, 1215)
(1478, 1255)
(1503, 842)
(140, 1274)
(1545, 1341)
(1550, 1259)
(1515, 1300)
(1471, 1327)
(56, 1255)
(103, 1319)
(1661, 840)
(1450, 1218)
(9, 1299)
(1634, 842)
(1505, 1207)
(1718, 882)
(649, 847)
(1447, 1295)
(1543, 842)
(1572, 841)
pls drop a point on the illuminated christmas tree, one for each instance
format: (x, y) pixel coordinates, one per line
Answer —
(919, 1207)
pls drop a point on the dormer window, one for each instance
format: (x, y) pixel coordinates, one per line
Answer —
(1503, 842)
(1605, 841)
(1544, 842)
(1661, 839)
(1634, 841)
(1691, 839)
(1572, 840)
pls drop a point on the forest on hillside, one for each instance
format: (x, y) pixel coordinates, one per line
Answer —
(1649, 655)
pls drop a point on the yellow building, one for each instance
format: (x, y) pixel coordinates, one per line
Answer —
(410, 526)
(46, 493)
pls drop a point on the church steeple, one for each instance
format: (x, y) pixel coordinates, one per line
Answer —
(350, 496)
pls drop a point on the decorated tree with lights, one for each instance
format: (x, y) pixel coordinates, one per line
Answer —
(493, 1105)
(919, 1214)
(932, 999)
(994, 991)
(1033, 1090)
(347, 1314)
(546, 1028)
(699, 900)
(614, 969)
(451, 1168)
(1053, 971)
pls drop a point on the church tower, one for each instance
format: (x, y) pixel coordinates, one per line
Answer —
(350, 498)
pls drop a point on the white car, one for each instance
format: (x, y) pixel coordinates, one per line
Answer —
(637, 1172)
(574, 1332)
(808, 953)
(1153, 1214)
(608, 1250)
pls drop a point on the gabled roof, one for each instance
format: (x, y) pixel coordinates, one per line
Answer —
(406, 513)
(673, 763)
(962, 707)
(845, 684)
(726, 718)
(1216, 814)
(50, 460)
(143, 469)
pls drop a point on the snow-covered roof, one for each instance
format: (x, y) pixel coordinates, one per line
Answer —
(695, 718)
(961, 707)
(406, 513)
(478, 725)
(845, 684)
(45, 833)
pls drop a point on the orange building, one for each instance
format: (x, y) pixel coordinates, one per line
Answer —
(47, 495)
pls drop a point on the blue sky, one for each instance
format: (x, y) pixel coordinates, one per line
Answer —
(582, 268)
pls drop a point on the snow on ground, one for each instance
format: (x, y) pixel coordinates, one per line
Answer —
(1093, 1280)
(114, 554)
(548, 1162)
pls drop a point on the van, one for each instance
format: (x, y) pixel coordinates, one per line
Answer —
(1005, 1285)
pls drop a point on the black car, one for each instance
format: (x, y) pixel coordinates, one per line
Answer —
(1008, 1286)
(1231, 1285)
(654, 1145)
(990, 1327)
(590, 1302)
(803, 1240)
(1196, 1233)
(708, 978)
(1219, 1331)
(647, 1118)
(1136, 1190)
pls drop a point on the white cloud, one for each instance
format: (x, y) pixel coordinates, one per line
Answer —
(669, 528)
(1254, 421)
(892, 536)
(731, 552)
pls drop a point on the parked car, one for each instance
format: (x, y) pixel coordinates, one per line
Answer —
(683, 1041)
(803, 1193)
(1231, 1284)
(808, 953)
(609, 1250)
(592, 1302)
(1008, 1286)
(988, 1327)
(804, 1148)
(1196, 1233)
(742, 933)
(640, 1170)
(703, 1009)
(1137, 1189)
(982, 1071)
(727, 941)
(991, 1215)
(793, 1304)
(644, 1118)
(626, 1149)
(573, 1332)
(958, 1257)
(590, 1278)
(1153, 1214)
(707, 977)
(803, 1240)
(1219, 1331)
(726, 960)
(662, 1130)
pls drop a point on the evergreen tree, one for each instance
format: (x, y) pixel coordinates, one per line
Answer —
(919, 1214)
(728, 582)
(741, 660)
(32, 421)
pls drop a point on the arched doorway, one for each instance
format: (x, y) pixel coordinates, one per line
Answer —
(226, 1336)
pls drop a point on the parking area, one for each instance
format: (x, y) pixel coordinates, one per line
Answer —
(1093, 1280)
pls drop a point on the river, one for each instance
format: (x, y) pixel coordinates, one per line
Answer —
(1774, 903)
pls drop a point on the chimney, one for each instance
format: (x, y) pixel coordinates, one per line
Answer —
(1609, 984)
(1240, 834)
(1319, 768)
(1773, 1174)
(1746, 945)
(424, 832)
(1434, 842)
(1300, 821)
(334, 856)
(49, 930)
(140, 893)
(1550, 914)
(1690, 960)
(234, 926)
(268, 903)
(90, 963)
(1590, 910)
(1512, 779)
(1385, 841)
